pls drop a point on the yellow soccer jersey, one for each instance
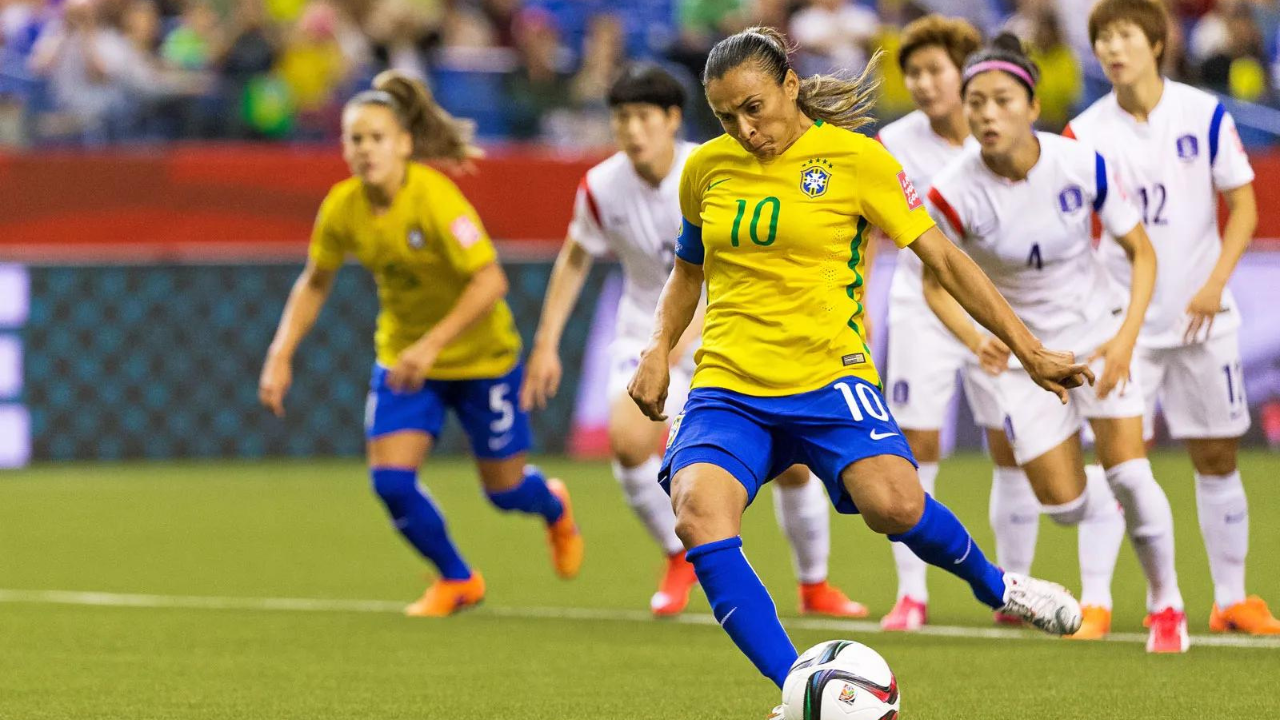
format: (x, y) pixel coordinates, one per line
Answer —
(422, 252)
(783, 248)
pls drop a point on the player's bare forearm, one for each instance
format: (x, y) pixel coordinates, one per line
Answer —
(948, 310)
(677, 307)
(306, 299)
(967, 284)
(1142, 256)
(563, 289)
(691, 333)
(487, 286)
(1237, 234)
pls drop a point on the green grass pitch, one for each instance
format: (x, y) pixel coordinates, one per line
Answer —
(540, 648)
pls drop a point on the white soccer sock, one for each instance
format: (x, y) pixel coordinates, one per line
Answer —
(1101, 533)
(1149, 521)
(911, 569)
(804, 514)
(650, 503)
(1224, 523)
(1014, 513)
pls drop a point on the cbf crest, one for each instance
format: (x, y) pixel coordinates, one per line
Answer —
(815, 177)
(416, 238)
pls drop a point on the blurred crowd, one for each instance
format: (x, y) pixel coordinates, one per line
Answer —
(99, 71)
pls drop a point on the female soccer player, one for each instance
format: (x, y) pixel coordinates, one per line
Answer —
(445, 339)
(1176, 148)
(628, 206)
(924, 357)
(776, 213)
(1021, 206)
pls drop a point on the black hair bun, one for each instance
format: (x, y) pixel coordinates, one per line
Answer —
(1008, 42)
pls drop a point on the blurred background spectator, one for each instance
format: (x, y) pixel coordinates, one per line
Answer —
(97, 71)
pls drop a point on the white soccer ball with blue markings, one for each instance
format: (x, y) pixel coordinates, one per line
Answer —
(840, 680)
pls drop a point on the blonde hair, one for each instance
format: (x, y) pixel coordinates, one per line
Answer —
(843, 102)
(437, 135)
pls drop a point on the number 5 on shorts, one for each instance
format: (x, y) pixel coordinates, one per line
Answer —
(501, 404)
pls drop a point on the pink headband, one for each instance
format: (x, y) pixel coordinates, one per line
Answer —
(1006, 66)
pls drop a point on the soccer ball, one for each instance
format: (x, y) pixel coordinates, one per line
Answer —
(840, 680)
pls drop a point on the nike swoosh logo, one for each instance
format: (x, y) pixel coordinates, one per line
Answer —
(717, 183)
(725, 619)
(968, 549)
(877, 435)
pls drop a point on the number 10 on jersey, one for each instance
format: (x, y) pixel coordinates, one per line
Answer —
(770, 205)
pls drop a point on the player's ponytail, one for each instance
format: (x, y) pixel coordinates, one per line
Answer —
(1005, 53)
(843, 102)
(437, 135)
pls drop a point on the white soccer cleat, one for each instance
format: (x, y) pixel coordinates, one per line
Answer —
(1046, 605)
(776, 713)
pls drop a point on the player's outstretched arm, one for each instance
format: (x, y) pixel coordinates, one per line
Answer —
(1117, 353)
(306, 298)
(1052, 370)
(676, 309)
(542, 376)
(486, 287)
(992, 354)
(1242, 223)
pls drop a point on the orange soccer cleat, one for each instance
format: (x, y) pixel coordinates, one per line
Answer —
(566, 541)
(1251, 617)
(1095, 625)
(677, 582)
(907, 615)
(446, 597)
(821, 598)
(1168, 632)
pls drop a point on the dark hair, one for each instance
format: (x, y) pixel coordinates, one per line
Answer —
(841, 102)
(1148, 15)
(436, 133)
(1007, 48)
(649, 84)
(956, 37)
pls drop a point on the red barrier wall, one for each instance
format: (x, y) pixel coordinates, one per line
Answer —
(237, 201)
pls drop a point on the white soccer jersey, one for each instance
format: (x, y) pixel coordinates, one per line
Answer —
(618, 212)
(922, 153)
(1033, 237)
(1174, 164)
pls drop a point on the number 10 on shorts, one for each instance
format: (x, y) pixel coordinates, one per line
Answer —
(870, 401)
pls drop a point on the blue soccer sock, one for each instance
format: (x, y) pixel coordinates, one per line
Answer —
(743, 607)
(530, 496)
(419, 520)
(941, 540)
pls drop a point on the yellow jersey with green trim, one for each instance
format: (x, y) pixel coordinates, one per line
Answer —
(783, 248)
(422, 252)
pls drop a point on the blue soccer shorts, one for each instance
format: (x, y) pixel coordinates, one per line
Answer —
(487, 408)
(756, 438)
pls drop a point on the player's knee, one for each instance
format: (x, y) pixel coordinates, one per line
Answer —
(630, 447)
(1214, 460)
(699, 520)
(894, 510)
(1070, 512)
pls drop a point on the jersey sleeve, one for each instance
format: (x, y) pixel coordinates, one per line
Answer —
(1114, 209)
(585, 227)
(465, 242)
(327, 250)
(1227, 158)
(689, 245)
(888, 198)
(945, 216)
